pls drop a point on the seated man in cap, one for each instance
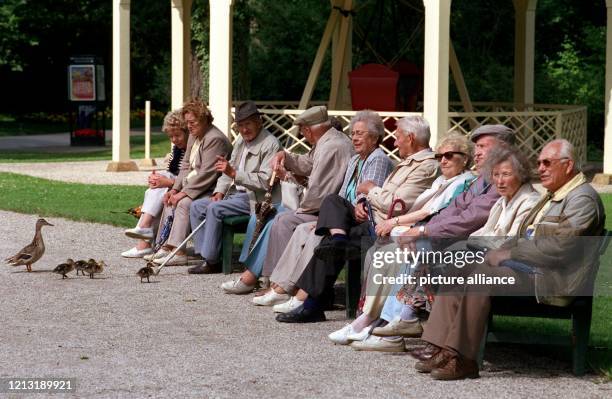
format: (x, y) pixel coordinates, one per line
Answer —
(331, 153)
(548, 240)
(244, 181)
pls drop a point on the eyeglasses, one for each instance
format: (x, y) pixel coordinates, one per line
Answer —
(448, 155)
(548, 161)
(192, 123)
(359, 133)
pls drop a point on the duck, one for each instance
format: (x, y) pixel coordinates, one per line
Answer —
(32, 252)
(64, 268)
(94, 267)
(146, 272)
(80, 265)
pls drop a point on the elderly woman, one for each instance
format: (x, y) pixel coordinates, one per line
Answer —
(454, 154)
(369, 163)
(509, 172)
(159, 183)
(197, 176)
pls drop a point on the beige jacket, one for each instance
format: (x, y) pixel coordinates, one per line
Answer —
(201, 182)
(324, 165)
(565, 242)
(257, 168)
(407, 181)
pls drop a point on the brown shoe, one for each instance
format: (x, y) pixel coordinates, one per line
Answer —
(425, 352)
(456, 368)
(438, 360)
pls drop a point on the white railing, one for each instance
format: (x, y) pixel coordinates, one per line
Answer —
(535, 124)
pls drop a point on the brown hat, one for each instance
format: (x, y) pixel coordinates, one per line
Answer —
(245, 111)
(502, 132)
(312, 116)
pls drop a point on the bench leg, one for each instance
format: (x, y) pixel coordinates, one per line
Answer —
(581, 329)
(227, 246)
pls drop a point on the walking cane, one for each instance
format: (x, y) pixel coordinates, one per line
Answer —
(182, 244)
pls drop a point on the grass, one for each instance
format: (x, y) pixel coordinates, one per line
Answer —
(95, 203)
(160, 146)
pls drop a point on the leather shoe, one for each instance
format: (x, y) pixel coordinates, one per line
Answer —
(205, 268)
(425, 352)
(301, 315)
(456, 368)
(403, 328)
(436, 361)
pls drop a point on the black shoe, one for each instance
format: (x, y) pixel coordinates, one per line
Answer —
(337, 250)
(205, 268)
(301, 315)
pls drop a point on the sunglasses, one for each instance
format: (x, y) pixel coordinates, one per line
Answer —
(547, 162)
(448, 155)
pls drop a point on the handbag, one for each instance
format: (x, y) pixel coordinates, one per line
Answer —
(292, 195)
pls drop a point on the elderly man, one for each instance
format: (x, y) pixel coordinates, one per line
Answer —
(331, 152)
(197, 175)
(245, 178)
(569, 208)
(341, 222)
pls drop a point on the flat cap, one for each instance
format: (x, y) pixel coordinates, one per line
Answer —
(312, 116)
(502, 132)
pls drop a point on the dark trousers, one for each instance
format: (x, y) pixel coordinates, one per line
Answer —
(335, 213)
(319, 276)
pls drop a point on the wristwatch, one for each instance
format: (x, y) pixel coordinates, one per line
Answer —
(396, 220)
(421, 231)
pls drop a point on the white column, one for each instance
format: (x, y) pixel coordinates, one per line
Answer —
(121, 88)
(524, 50)
(606, 176)
(435, 85)
(220, 67)
(181, 51)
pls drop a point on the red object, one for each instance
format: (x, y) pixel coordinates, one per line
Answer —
(373, 86)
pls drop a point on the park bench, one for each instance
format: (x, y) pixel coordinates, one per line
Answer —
(579, 312)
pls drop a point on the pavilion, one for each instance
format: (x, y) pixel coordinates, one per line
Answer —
(535, 123)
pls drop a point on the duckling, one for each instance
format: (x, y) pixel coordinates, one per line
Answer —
(79, 265)
(94, 267)
(32, 252)
(146, 272)
(64, 268)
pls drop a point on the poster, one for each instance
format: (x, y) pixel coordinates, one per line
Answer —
(82, 83)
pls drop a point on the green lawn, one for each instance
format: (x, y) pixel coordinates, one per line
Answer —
(160, 146)
(95, 203)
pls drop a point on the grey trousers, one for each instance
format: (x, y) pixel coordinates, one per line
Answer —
(180, 226)
(207, 240)
(280, 234)
(296, 256)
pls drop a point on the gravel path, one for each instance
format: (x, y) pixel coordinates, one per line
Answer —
(181, 337)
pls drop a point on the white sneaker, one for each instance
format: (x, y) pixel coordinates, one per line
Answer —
(359, 336)
(270, 298)
(143, 233)
(159, 254)
(177, 260)
(237, 287)
(340, 336)
(286, 307)
(380, 344)
(136, 253)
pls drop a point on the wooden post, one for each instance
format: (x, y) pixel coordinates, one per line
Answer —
(180, 15)
(464, 95)
(435, 85)
(339, 56)
(220, 65)
(121, 88)
(606, 176)
(148, 161)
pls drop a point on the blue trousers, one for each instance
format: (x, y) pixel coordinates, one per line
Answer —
(207, 241)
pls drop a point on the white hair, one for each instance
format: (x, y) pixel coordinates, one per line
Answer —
(566, 150)
(373, 121)
(416, 125)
